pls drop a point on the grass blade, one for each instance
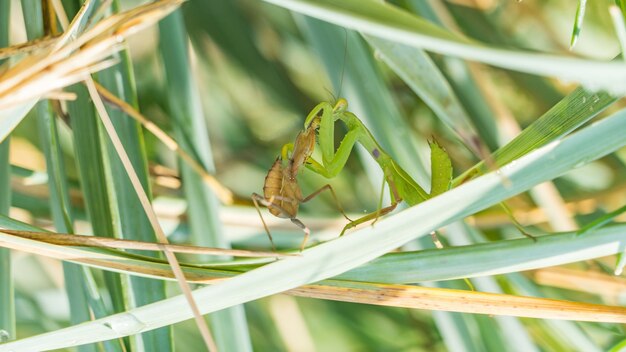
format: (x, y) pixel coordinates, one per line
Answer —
(361, 246)
(512, 256)
(230, 327)
(449, 263)
(133, 225)
(234, 34)
(7, 298)
(578, 107)
(388, 22)
(94, 181)
(418, 71)
(75, 277)
(7, 303)
(578, 22)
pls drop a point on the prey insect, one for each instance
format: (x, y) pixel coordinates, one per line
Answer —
(281, 193)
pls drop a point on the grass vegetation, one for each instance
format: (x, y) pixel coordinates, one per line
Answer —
(147, 125)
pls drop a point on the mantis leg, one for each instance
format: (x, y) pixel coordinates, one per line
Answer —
(332, 191)
(323, 106)
(370, 216)
(332, 161)
(395, 199)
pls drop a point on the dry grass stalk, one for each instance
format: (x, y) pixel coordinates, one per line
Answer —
(69, 61)
(64, 239)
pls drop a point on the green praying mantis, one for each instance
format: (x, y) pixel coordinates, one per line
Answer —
(282, 195)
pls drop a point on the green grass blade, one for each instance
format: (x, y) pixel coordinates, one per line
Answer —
(420, 73)
(445, 264)
(234, 33)
(78, 281)
(622, 5)
(578, 22)
(133, 224)
(567, 333)
(229, 326)
(578, 107)
(462, 81)
(94, 181)
(509, 329)
(361, 246)
(479, 259)
(75, 276)
(618, 347)
(7, 304)
(9, 118)
(391, 23)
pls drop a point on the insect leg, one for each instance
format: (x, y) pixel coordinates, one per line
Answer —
(332, 192)
(306, 230)
(269, 203)
(394, 201)
(368, 217)
(256, 199)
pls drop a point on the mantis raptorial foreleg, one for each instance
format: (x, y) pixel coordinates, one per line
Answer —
(333, 160)
(286, 153)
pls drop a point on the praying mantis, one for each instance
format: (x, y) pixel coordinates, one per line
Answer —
(282, 195)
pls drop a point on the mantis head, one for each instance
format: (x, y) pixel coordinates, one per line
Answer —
(341, 106)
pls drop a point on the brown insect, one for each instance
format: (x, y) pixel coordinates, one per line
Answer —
(281, 193)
